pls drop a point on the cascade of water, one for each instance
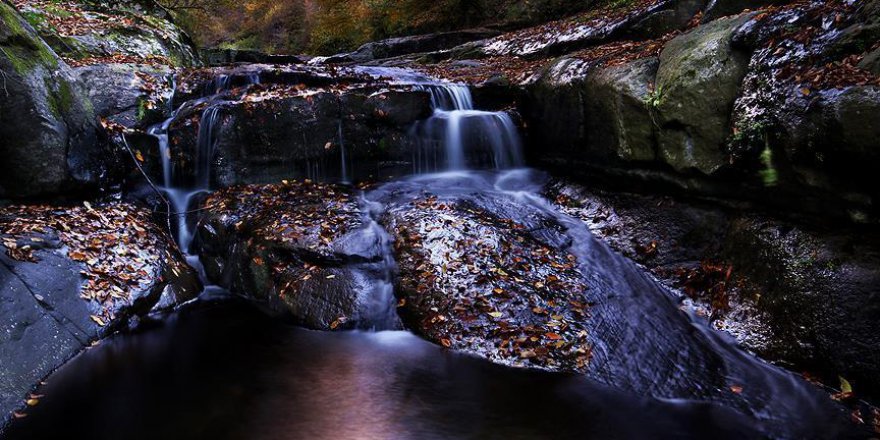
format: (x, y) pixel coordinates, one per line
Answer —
(205, 146)
(456, 136)
(345, 178)
(181, 190)
(223, 83)
(466, 137)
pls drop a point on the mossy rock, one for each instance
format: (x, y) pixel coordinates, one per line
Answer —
(620, 117)
(49, 129)
(135, 29)
(698, 81)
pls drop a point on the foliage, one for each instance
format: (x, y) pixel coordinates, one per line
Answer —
(332, 26)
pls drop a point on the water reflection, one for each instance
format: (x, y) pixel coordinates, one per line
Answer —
(225, 371)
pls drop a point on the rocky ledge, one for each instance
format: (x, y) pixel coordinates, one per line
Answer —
(71, 275)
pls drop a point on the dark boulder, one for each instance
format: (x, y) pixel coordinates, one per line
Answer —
(698, 81)
(804, 121)
(639, 20)
(51, 138)
(121, 31)
(673, 16)
(819, 293)
(722, 8)
(126, 94)
(301, 249)
(69, 276)
(288, 132)
(593, 113)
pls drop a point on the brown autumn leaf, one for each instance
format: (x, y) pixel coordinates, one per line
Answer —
(552, 336)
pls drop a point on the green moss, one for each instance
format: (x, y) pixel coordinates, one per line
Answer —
(60, 99)
(36, 19)
(769, 174)
(24, 50)
(10, 19)
(58, 11)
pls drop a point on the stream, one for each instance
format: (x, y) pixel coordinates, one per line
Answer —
(220, 369)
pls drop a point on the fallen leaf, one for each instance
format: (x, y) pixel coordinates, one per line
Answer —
(98, 320)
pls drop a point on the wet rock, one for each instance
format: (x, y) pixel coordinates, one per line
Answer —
(819, 290)
(125, 94)
(292, 132)
(674, 16)
(51, 143)
(301, 249)
(698, 80)
(722, 8)
(588, 29)
(871, 62)
(69, 276)
(489, 268)
(606, 105)
(800, 123)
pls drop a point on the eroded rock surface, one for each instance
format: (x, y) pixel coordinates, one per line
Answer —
(269, 124)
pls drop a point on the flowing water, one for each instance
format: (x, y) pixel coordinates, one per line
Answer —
(220, 369)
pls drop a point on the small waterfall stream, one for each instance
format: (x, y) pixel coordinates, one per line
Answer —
(183, 188)
(467, 138)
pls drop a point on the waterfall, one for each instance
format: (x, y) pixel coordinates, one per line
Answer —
(180, 190)
(205, 147)
(344, 177)
(463, 136)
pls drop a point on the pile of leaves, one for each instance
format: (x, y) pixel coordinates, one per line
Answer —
(68, 18)
(622, 52)
(297, 214)
(283, 237)
(120, 249)
(711, 282)
(475, 282)
(797, 46)
(118, 58)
